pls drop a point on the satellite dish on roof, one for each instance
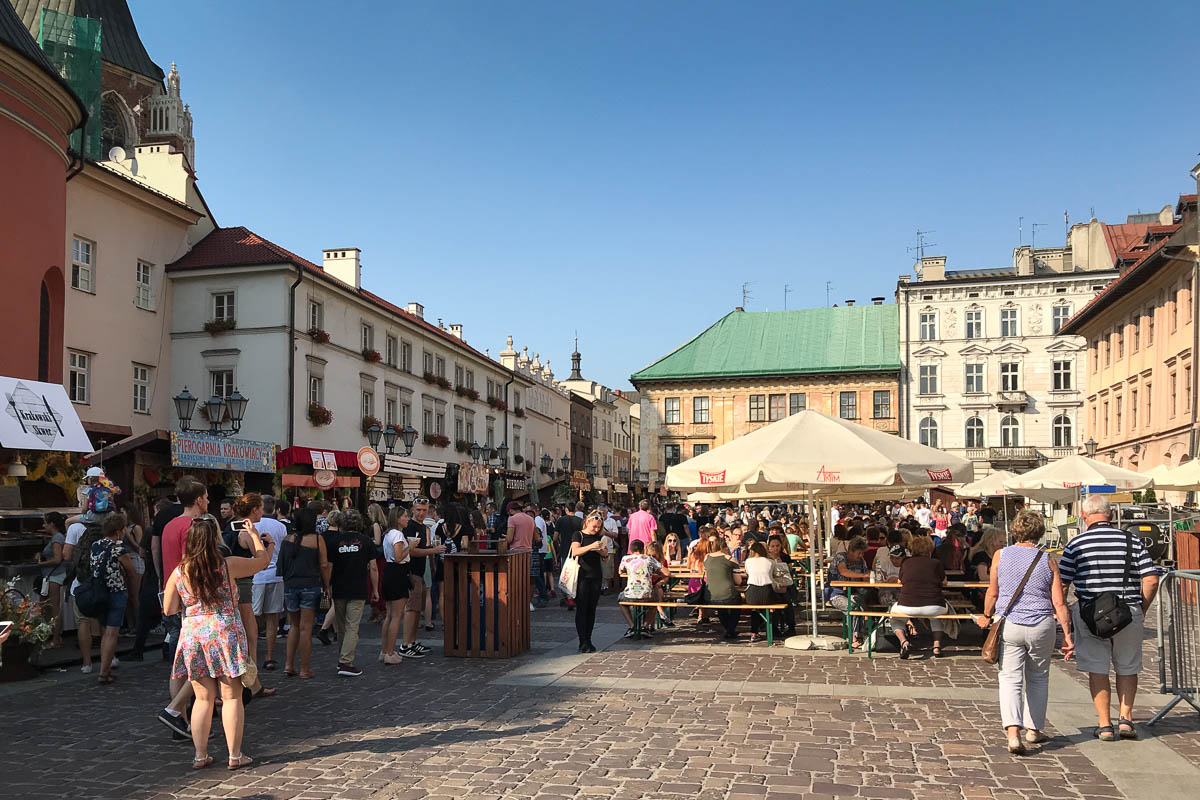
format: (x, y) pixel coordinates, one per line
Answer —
(116, 154)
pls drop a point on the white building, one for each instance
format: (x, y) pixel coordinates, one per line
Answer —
(544, 430)
(305, 342)
(983, 373)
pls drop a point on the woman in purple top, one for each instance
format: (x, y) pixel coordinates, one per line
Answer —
(1027, 638)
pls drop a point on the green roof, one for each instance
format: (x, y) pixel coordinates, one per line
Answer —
(804, 342)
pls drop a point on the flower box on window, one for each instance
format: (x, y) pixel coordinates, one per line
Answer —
(518, 460)
(371, 356)
(462, 446)
(215, 326)
(437, 440)
(429, 377)
(319, 336)
(442, 382)
(367, 422)
(463, 391)
(497, 403)
(319, 414)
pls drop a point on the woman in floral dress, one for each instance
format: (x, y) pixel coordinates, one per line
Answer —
(213, 650)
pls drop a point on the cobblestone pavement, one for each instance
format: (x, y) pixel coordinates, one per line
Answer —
(446, 728)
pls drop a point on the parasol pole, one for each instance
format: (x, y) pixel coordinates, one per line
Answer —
(812, 560)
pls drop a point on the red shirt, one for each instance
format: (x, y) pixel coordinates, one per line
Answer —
(523, 527)
(173, 537)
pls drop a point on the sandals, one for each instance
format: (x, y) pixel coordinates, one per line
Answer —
(307, 673)
(291, 673)
(1035, 737)
(905, 651)
(239, 762)
(263, 691)
(939, 652)
(270, 665)
(1105, 733)
(104, 680)
(1125, 729)
(201, 763)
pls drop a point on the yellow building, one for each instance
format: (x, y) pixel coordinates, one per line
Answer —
(1141, 332)
(753, 368)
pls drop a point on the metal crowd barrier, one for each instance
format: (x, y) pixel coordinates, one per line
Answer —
(1179, 639)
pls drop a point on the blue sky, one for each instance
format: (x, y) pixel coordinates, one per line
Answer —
(620, 168)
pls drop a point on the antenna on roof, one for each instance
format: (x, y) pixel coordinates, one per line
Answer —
(919, 247)
(828, 287)
(746, 295)
(786, 290)
(1066, 226)
(1033, 226)
(1020, 231)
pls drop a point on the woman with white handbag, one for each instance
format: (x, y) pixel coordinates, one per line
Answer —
(588, 552)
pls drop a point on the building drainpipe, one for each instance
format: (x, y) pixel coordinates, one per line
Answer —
(291, 346)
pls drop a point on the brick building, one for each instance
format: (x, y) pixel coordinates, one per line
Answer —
(753, 368)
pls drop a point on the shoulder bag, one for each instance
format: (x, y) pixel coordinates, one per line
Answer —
(568, 576)
(991, 645)
(1107, 614)
(781, 577)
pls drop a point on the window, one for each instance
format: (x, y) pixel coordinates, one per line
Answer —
(1010, 432)
(1095, 350)
(316, 316)
(366, 336)
(1173, 306)
(389, 411)
(1008, 322)
(439, 367)
(928, 326)
(881, 399)
(1061, 314)
(1120, 407)
(316, 390)
(427, 421)
(974, 432)
(671, 454)
(848, 405)
(1172, 406)
(928, 381)
(460, 425)
(1062, 376)
(1135, 334)
(1009, 377)
(1187, 389)
(141, 389)
(700, 409)
(143, 285)
(1107, 349)
(427, 365)
(1105, 418)
(389, 350)
(1148, 403)
(797, 402)
(973, 378)
(671, 412)
(405, 414)
(777, 407)
(974, 324)
(81, 265)
(928, 432)
(459, 375)
(470, 378)
(223, 306)
(1149, 326)
(368, 404)
(1119, 337)
(406, 356)
(699, 450)
(222, 382)
(1062, 433)
(1133, 409)
(758, 408)
(470, 430)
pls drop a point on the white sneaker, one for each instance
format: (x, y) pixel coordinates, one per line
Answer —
(116, 662)
(86, 669)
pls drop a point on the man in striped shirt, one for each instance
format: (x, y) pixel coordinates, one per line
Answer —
(1095, 562)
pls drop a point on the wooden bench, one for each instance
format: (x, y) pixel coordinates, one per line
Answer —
(636, 607)
(880, 616)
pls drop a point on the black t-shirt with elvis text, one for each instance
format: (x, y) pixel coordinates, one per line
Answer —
(351, 553)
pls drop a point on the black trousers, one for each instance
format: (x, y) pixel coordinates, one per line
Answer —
(149, 610)
(587, 596)
(729, 616)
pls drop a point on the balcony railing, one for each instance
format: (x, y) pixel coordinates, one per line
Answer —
(1062, 452)
(1012, 455)
(1013, 398)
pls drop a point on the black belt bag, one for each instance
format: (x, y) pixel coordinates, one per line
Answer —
(1107, 614)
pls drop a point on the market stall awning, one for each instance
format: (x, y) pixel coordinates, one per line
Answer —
(298, 454)
(39, 416)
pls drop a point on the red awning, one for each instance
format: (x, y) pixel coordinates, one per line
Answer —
(303, 455)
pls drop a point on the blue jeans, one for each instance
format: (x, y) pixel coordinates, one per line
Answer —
(172, 625)
(543, 592)
(308, 598)
(114, 616)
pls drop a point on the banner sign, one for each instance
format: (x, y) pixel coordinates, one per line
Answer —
(712, 478)
(579, 480)
(322, 459)
(472, 478)
(201, 451)
(39, 416)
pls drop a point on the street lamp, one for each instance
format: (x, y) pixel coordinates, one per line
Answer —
(590, 469)
(547, 462)
(236, 403)
(502, 451)
(389, 438)
(185, 404)
(624, 473)
(566, 462)
(373, 434)
(409, 436)
(606, 469)
(1090, 447)
(476, 450)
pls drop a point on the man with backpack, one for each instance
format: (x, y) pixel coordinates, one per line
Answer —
(77, 552)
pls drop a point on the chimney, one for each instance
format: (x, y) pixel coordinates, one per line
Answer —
(345, 265)
(849, 303)
(456, 331)
(932, 268)
(417, 310)
(878, 301)
(905, 278)
(738, 308)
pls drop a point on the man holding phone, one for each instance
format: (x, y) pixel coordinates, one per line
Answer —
(419, 548)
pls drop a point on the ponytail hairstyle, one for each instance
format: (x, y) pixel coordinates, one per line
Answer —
(202, 563)
(244, 506)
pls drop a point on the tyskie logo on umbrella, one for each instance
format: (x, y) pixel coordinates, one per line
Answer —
(940, 475)
(712, 478)
(828, 476)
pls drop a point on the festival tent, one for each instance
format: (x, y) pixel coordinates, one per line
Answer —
(818, 456)
(1064, 480)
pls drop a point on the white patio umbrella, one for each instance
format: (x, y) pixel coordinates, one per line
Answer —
(989, 486)
(818, 455)
(1184, 478)
(1063, 480)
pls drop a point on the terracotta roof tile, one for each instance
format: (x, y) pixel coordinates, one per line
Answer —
(1122, 239)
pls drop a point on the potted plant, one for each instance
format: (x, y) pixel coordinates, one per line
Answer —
(319, 336)
(518, 459)
(215, 326)
(462, 446)
(437, 440)
(429, 377)
(33, 625)
(497, 403)
(520, 411)
(442, 382)
(464, 391)
(319, 414)
(367, 422)
(371, 356)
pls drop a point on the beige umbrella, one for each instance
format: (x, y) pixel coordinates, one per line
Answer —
(1063, 480)
(1184, 478)
(705, 497)
(811, 450)
(990, 486)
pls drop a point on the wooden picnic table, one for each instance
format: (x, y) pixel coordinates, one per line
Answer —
(896, 584)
